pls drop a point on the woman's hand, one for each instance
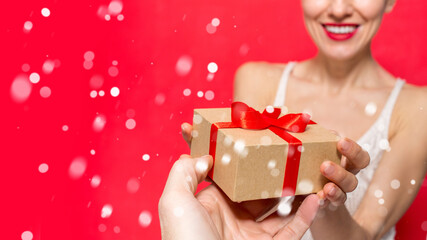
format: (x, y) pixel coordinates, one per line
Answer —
(212, 215)
(186, 132)
(342, 177)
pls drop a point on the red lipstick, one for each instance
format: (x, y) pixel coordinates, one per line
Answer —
(340, 31)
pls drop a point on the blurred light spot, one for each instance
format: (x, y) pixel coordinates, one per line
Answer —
(194, 133)
(378, 193)
(271, 164)
(228, 141)
(92, 152)
(370, 109)
(45, 92)
(102, 11)
(57, 63)
(120, 17)
(226, 159)
(20, 89)
(45, 12)
(244, 49)
(115, 7)
(99, 123)
(77, 168)
(27, 235)
(424, 226)
(215, 22)
(132, 185)
(34, 77)
(212, 67)
(183, 65)
(209, 95)
(284, 208)
(269, 109)
(211, 29)
(64, 128)
(413, 182)
(130, 113)
(382, 211)
(145, 219)
(201, 166)
(89, 55)
(93, 94)
(106, 211)
(107, 17)
(145, 157)
(28, 25)
(48, 66)
(160, 99)
(101, 93)
(197, 119)
(115, 91)
(210, 77)
(102, 227)
(87, 65)
(239, 146)
(116, 229)
(186, 92)
(95, 181)
(381, 201)
(305, 186)
(265, 194)
(25, 67)
(96, 81)
(113, 71)
(301, 149)
(114, 62)
(178, 211)
(43, 168)
(200, 94)
(384, 144)
(395, 184)
(130, 124)
(275, 172)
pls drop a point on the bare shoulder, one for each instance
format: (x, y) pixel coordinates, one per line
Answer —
(255, 83)
(412, 108)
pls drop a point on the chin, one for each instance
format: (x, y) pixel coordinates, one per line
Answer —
(339, 53)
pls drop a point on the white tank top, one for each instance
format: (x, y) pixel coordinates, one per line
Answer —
(374, 141)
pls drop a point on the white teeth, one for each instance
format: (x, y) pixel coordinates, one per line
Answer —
(340, 30)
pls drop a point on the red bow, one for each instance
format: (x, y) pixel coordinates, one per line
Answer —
(248, 118)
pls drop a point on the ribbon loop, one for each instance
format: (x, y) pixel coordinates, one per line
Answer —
(249, 118)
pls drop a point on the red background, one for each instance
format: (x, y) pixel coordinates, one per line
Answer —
(147, 44)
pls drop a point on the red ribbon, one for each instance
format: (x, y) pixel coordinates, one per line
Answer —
(243, 116)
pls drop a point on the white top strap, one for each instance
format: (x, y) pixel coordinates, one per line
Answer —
(388, 107)
(279, 101)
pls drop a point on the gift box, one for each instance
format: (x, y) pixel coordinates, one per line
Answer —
(262, 155)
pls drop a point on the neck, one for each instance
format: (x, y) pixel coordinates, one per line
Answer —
(343, 74)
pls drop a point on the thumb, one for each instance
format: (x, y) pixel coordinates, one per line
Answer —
(302, 220)
(187, 173)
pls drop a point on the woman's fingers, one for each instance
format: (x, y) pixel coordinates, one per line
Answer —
(186, 132)
(356, 157)
(334, 194)
(347, 181)
(302, 220)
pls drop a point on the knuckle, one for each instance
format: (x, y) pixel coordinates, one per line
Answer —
(290, 232)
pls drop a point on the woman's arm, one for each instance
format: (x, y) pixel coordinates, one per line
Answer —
(404, 165)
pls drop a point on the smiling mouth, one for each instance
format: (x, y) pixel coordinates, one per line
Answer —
(340, 31)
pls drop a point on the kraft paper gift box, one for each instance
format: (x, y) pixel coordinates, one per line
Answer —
(267, 162)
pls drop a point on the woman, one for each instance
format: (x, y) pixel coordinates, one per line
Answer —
(346, 90)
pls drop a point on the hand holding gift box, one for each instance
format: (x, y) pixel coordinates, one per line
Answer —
(263, 155)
